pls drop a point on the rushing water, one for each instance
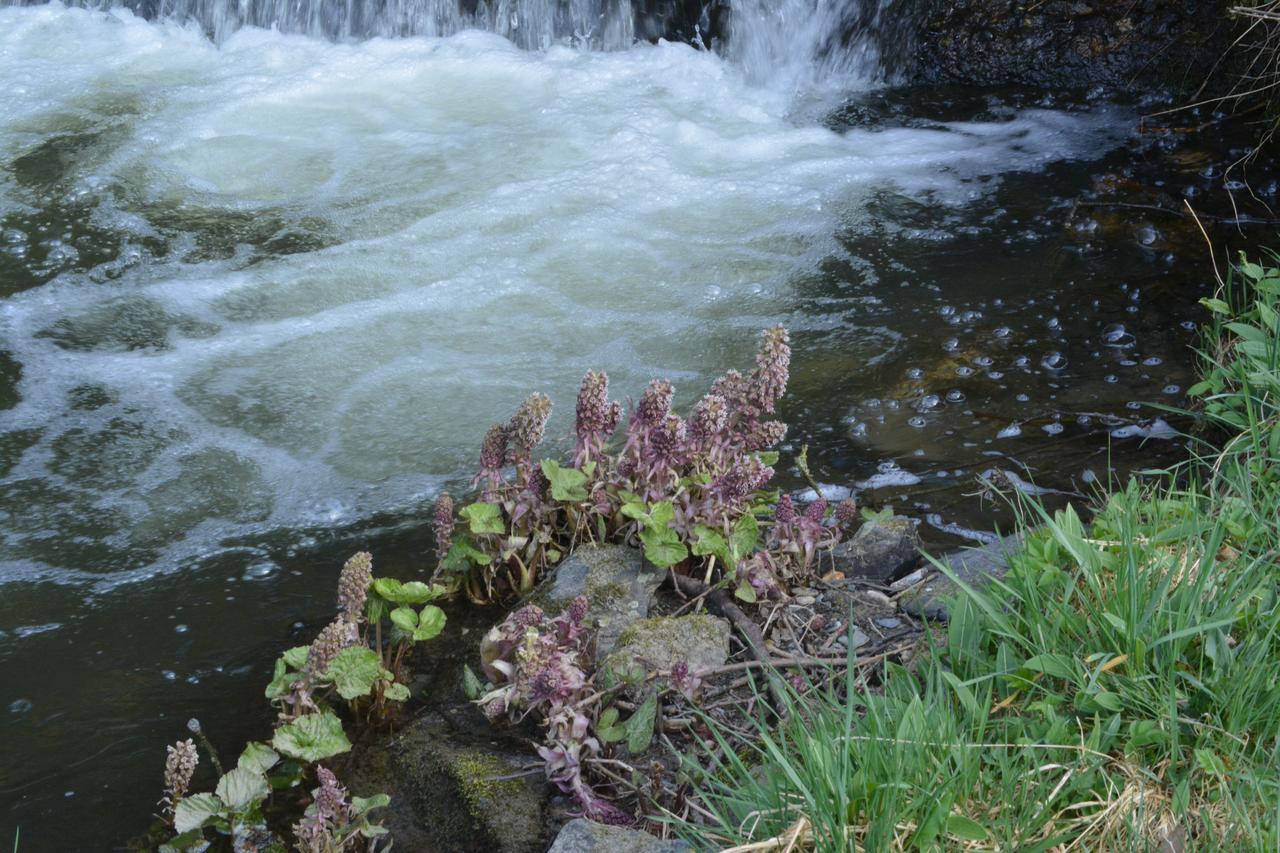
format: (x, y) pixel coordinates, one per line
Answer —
(260, 296)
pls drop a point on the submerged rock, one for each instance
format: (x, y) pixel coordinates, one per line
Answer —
(877, 552)
(585, 836)
(619, 585)
(699, 640)
(975, 566)
(454, 791)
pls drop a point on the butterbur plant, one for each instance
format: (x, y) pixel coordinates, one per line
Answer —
(538, 665)
(691, 491)
(331, 823)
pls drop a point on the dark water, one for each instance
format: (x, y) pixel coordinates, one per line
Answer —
(174, 512)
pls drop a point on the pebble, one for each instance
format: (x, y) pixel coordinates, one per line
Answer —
(805, 600)
(889, 622)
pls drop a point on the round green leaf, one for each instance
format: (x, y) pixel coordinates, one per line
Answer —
(354, 671)
(405, 618)
(241, 788)
(430, 623)
(195, 810)
(312, 737)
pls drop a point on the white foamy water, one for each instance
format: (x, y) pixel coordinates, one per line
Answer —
(334, 264)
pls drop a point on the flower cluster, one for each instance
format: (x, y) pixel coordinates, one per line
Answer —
(538, 664)
(443, 524)
(353, 587)
(327, 815)
(179, 766)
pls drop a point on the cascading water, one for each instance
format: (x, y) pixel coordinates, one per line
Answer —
(262, 286)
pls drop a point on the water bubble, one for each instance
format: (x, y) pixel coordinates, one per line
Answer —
(1153, 361)
(918, 422)
(259, 570)
(1011, 431)
(180, 629)
(1054, 323)
(1003, 332)
(1147, 235)
(1170, 389)
(169, 675)
(984, 361)
(928, 401)
(915, 373)
(1133, 404)
(873, 403)
(1115, 335)
(1021, 361)
(964, 371)
(947, 310)
(1053, 361)
(971, 316)
(18, 707)
(1054, 428)
(955, 395)
(951, 344)
(995, 374)
(1022, 398)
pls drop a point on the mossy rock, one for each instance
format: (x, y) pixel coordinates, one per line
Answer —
(618, 582)
(699, 640)
(879, 551)
(451, 790)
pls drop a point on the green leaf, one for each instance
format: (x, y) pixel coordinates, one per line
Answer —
(413, 592)
(484, 517)
(396, 692)
(959, 826)
(296, 657)
(745, 592)
(360, 805)
(768, 457)
(1058, 666)
(639, 727)
(405, 618)
(312, 737)
(241, 788)
(462, 555)
(567, 484)
(663, 547)
(355, 670)
(637, 510)
(180, 843)
(258, 757)
(471, 686)
(195, 810)
(282, 680)
(430, 623)
(662, 514)
(746, 533)
(1217, 306)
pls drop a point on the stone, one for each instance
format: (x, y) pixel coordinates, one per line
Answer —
(889, 622)
(454, 790)
(587, 836)
(619, 585)
(699, 640)
(975, 566)
(877, 552)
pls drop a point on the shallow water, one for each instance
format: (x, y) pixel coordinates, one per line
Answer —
(260, 299)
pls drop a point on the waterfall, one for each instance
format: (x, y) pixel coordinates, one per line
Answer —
(796, 42)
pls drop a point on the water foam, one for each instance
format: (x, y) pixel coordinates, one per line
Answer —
(334, 264)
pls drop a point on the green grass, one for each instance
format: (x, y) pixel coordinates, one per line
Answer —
(1119, 690)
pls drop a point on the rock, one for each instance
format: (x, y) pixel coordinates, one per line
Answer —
(889, 622)
(586, 836)
(446, 794)
(975, 566)
(618, 582)
(877, 552)
(699, 640)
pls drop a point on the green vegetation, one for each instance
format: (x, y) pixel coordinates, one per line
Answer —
(349, 661)
(1118, 690)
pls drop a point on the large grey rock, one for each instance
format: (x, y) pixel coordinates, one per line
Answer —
(975, 566)
(699, 640)
(586, 836)
(618, 582)
(877, 552)
(453, 791)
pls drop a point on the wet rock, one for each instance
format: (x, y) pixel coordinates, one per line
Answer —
(877, 552)
(699, 640)
(1057, 43)
(619, 585)
(452, 790)
(586, 836)
(975, 566)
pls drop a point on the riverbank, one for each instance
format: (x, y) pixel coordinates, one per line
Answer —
(1114, 689)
